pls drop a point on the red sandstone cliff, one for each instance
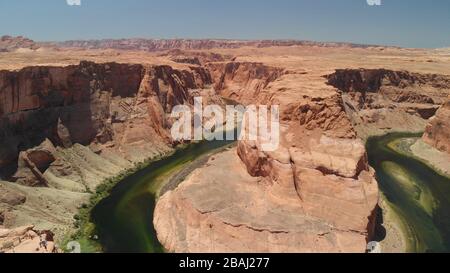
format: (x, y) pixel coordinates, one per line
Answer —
(111, 107)
(316, 193)
(379, 101)
(437, 133)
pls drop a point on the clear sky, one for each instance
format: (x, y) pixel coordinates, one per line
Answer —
(409, 23)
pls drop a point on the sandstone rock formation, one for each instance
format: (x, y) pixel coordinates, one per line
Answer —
(437, 133)
(380, 100)
(26, 240)
(316, 193)
(111, 107)
(33, 163)
(66, 129)
(195, 57)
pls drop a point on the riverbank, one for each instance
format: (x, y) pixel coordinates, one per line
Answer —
(124, 205)
(84, 229)
(119, 217)
(419, 150)
(393, 229)
(174, 180)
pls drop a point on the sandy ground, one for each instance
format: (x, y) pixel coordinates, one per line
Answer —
(438, 160)
(395, 241)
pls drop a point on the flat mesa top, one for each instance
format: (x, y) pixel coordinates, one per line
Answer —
(309, 60)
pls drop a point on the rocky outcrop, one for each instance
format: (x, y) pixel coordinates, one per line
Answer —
(398, 86)
(10, 44)
(437, 132)
(252, 216)
(315, 193)
(195, 57)
(379, 100)
(33, 163)
(26, 240)
(243, 82)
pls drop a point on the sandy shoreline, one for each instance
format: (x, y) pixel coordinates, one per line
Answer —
(395, 240)
(437, 160)
(397, 230)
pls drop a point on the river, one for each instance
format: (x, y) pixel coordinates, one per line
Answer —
(418, 196)
(123, 220)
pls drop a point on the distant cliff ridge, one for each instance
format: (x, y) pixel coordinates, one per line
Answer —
(193, 44)
(9, 43)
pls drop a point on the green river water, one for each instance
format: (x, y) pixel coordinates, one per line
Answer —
(418, 196)
(124, 220)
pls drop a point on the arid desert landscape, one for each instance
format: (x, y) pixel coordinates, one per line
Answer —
(86, 153)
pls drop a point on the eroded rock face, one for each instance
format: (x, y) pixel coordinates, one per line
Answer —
(195, 57)
(437, 132)
(64, 130)
(379, 100)
(116, 107)
(316, 193)
(33, 163)
(253, 215)
(26, 240)
(399, 86)
(243, 81)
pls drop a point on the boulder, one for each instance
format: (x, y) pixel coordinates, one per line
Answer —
(11, 198)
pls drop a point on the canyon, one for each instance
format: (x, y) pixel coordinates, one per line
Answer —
(318, 184)
(74, 115)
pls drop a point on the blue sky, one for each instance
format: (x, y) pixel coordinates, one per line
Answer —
(409, 23)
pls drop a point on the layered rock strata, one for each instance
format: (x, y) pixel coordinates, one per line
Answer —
(316, 193)
(27, 240)
(379, 101)
(64, 130)
(191, 44)
(437, 133)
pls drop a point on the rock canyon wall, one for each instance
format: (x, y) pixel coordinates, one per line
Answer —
(64, 130)
(379, 101)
